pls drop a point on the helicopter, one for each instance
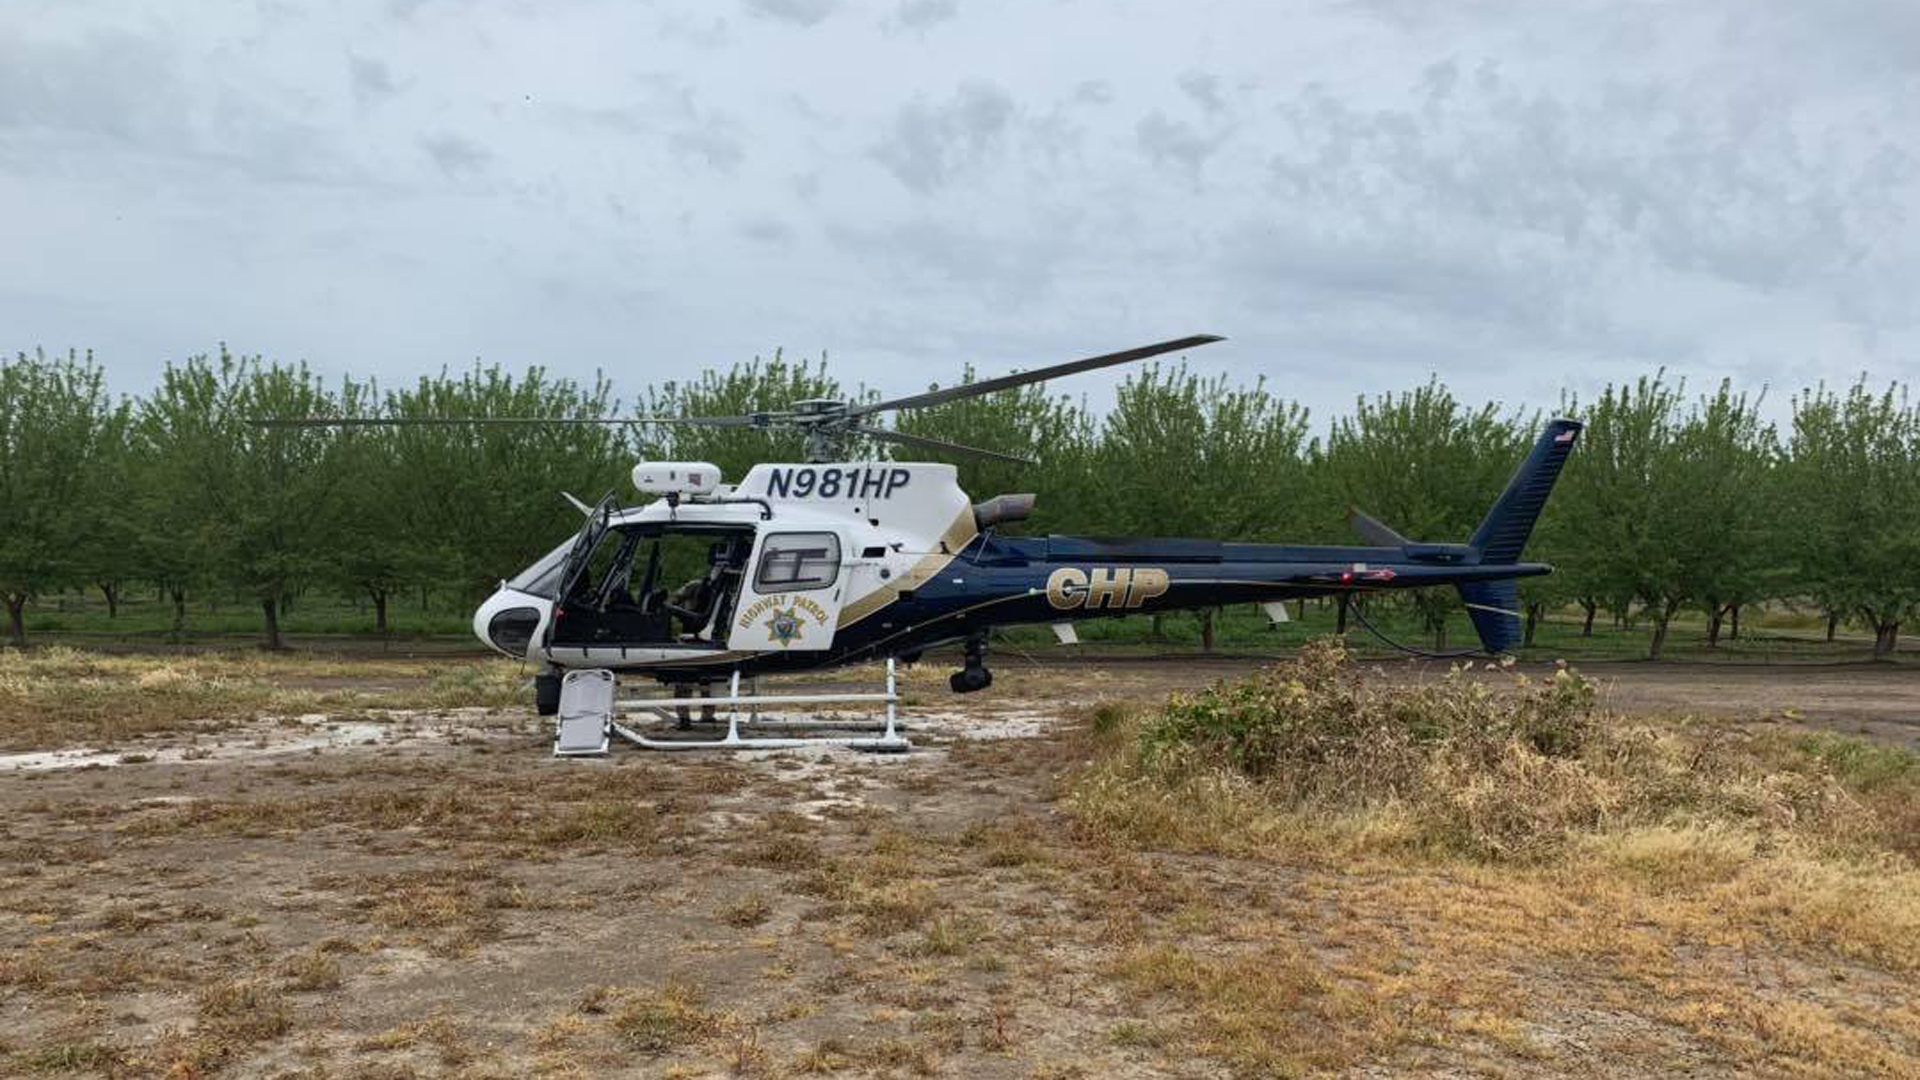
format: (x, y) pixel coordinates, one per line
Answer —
(831, 561)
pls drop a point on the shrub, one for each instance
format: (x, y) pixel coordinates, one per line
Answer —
(1317, 724)
(1316, 753)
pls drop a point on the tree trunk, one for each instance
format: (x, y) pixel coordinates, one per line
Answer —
(379, 609)
(271, 608)
(1833, 625)
(1533, 623)
(1590, 607)
(1340, 626)
(17, 619)
(1440, 634)
(1662, 616)
(1158, 629)
(1734, 611)
(179, 614)
(1886, 638)
(112, 592)
(1714, 613)
(1206, 629)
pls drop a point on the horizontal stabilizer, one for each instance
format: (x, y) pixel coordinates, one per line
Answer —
(1373, 530)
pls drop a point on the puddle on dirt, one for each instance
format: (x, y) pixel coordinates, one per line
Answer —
(273, 737)
(269, 737)
(839, 778)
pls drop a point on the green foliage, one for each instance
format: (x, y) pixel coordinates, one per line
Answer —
(1184, 456)
(1726, 462)
(1319, 758)
(110, 549)
(1631, 515)
(57, 431)
(744, 389)
(372, 557)
(1669, 505)
(1316, 721)
(1852, 476)
(1054, 431)
(472, 504)
(1863, 765)
(1426, 465)
(262, 504)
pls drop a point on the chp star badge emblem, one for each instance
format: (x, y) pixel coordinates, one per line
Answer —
(784, 627)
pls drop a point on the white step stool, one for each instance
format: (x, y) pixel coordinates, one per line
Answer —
(586, 713)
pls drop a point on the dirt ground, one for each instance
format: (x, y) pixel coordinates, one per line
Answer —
(429, 894)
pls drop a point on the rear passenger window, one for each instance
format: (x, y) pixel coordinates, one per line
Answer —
(796, 562)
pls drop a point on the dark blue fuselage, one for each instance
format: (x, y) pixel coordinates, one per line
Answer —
(1004, 581)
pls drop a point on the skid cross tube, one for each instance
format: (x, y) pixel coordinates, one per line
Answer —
(889, 740)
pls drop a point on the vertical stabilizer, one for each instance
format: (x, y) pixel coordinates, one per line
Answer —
(1503, 535)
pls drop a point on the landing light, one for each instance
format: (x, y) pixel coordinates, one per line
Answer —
(688, 478)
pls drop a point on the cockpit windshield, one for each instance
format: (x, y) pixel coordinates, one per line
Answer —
(543, 577)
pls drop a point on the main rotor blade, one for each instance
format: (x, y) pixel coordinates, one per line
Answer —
(519, 421)
(1022, 378)
(942, 445)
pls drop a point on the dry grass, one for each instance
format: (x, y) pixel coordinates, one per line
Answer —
(1502, 831)
(310, 972)
(619, 809)
(439, 1033)
(71, 1058)
(1271, 1011)
(232, 1016)
(749, 911)
(1313, 754)
(244, 1011)
(658, 1021)
(60, 697)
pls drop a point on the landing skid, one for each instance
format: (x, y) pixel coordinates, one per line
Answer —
(596, 715)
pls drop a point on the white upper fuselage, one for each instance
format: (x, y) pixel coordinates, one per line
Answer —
(895, 525)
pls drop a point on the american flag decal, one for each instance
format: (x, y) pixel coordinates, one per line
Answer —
(1566, 436)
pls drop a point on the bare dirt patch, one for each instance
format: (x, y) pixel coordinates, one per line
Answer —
(448, 900)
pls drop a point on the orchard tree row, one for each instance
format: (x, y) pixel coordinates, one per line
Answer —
(1674, 501)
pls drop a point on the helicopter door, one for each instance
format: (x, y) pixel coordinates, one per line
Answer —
(791, 599)
(579, 559)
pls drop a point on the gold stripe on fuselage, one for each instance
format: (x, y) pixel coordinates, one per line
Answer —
(957, 536)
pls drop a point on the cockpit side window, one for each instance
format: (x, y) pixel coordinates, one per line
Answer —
(649, 583)
(796, 562)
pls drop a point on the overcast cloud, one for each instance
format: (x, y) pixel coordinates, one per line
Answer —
(1519, 197)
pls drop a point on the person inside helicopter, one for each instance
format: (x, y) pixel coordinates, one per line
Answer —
(699, 601)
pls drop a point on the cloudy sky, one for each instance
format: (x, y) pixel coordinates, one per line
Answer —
(1518, 196)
